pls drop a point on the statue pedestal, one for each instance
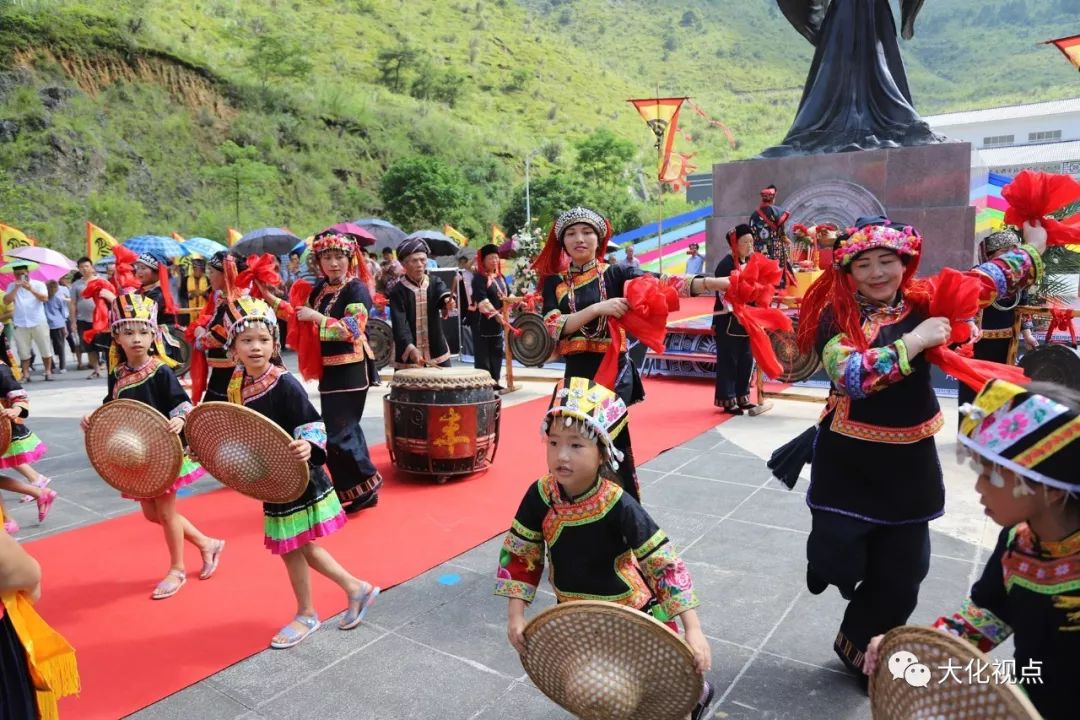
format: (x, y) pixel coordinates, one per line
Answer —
(928, 187)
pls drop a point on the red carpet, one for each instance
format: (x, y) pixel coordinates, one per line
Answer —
(133, 651)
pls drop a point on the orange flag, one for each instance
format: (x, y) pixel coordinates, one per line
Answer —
(232, 236)
(662, 117)
(1069, 47)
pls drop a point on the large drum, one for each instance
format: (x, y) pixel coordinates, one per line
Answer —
(442, 421)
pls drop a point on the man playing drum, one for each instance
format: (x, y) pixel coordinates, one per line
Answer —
(418, 304)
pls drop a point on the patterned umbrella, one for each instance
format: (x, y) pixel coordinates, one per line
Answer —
(159, 245)
(387, 235)
(203, 247)
(266, 240)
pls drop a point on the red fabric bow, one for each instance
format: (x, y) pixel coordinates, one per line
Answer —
(260, 269)
(92, 291)
(1034, 195)
(955, 295)
(1061, 318)
(379, 301)
(650, 302)
(750, 293)
(303, 337)
(123, 273)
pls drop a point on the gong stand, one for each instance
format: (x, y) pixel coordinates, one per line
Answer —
(1014, 341)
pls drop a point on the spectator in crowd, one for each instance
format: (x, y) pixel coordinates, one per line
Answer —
(31, 326)
(391, 272)
(196, 289)
(695, 263)
(56, 314)
(630, 260)
(82, 309)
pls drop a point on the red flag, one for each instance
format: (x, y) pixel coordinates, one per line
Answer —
(1069, 47)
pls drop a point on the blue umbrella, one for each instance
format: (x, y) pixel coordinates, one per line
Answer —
(203, 246)
(159, 245)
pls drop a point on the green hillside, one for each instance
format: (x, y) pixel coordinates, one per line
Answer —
(148, 116)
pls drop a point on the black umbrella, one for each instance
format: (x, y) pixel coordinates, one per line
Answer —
(439, 244)
(265, 240)
(387, 235)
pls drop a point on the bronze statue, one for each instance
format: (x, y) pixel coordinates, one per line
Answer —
(856, 95)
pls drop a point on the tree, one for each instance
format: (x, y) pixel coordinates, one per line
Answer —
(277, 56)
(423, 191)
(603, 157)
(395, 64)
(548, 197)
(243, 175)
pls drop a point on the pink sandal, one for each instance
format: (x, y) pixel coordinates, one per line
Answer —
(44, 504)
(163, 591)
(210, 565)
(42, 482)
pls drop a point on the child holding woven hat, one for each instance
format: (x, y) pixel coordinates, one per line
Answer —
(261, 383)
(140, 369)
(601, 543)
(1025, 444)
(25, 448)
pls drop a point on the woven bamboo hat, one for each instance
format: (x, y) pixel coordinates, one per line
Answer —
(959, 694)
(602, 661)
(246, 452)
(5, 434)
(131, 447)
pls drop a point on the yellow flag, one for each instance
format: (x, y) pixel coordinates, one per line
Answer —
(497, 235)
(451, 232)
(12, 238)
(232, 236)
(99, 243)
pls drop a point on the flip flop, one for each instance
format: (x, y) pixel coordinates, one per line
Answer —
(162, 591)
(363, 601)
(295, 637)
(210, 566)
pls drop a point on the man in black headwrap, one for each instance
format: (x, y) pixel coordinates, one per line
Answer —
(418, 304)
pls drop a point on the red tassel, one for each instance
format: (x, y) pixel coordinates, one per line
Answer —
(609, 366)
(303, 337)
(199, 372)
(166, 290)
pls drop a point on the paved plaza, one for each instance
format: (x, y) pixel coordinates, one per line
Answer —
(435, 646)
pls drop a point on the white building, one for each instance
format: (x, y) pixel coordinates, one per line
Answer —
(1041, 136)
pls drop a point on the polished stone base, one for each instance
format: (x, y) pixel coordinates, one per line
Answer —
(928, 187)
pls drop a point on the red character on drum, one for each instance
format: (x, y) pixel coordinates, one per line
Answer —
(418, 304)
(339, 305)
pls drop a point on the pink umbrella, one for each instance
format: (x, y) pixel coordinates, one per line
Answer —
(362, 236)
(42, 256)
(42, 272)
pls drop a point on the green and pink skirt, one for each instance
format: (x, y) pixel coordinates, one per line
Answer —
(315, 514)
(190, 471)
(27, 449)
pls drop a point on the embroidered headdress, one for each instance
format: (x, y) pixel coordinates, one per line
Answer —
(247, 312)
(328, 240)
(217, 261)
(160, 266)
(552, 258)
(1033, 435)
(134, 310)
(996, 241)
(599, 410)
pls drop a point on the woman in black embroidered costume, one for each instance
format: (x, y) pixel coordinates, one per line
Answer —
(734, 363)
(580, 292)
(291, 529)
(488, 292)
(339, 304)
(875, 479)
(136, 374)
(152, 272)
(1025, 444)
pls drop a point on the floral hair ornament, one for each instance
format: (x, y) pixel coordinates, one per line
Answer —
(599, 410)
(904, 241)
(1025, 432)
(328, 241)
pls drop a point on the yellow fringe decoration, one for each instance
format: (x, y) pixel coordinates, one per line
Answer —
(1072, 606)
(53, 668)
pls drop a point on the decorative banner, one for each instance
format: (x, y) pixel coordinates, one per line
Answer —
(715, 123)
(99, 244)
(662, 117)
(1069, 47)
(12, 238)
(232, 236)
(677, 176)
(451, 232)
(497, 235)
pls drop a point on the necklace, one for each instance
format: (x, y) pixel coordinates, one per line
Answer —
(326, 292)
(601, 323)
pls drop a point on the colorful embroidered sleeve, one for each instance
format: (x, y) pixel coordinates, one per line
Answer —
(313, 432)
(1009, 273)
(983, 618)
(554, 320)
(521, 559)
(663, 569)
(859, 374)
(178, 402)
(347, 328)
